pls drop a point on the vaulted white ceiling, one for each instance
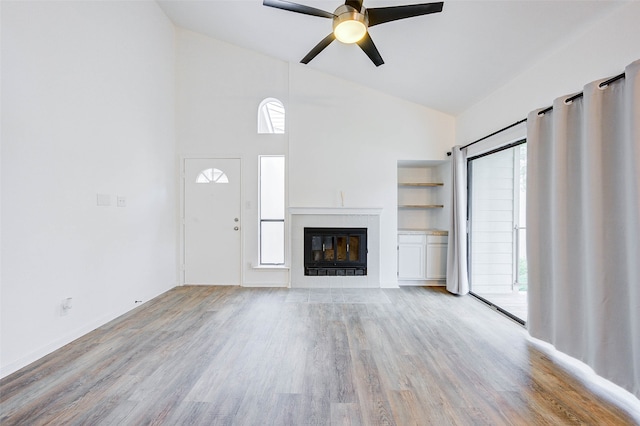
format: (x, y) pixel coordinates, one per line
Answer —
(447, 61)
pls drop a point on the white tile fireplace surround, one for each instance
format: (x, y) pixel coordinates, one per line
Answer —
(337, 217)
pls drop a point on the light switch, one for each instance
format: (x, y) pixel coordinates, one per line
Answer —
(122, 201)
(104, 200)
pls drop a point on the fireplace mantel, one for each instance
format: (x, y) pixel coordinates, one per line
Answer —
(356, 211)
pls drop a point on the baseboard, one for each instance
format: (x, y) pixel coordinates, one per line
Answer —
(10, 368)
(265, 285)
(419, 283)
(24, 361)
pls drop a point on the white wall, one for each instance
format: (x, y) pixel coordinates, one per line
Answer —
(602, 50)
(219, 88)
(340, 136)
(87, 108)
(347, 138)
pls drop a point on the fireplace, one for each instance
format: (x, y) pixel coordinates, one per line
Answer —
(335, 251)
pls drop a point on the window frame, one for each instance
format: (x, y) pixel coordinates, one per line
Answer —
(262, 220)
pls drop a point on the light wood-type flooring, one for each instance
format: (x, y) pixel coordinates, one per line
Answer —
(238, 356)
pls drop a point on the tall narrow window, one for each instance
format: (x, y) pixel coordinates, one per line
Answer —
(271, 116)
(272, 203)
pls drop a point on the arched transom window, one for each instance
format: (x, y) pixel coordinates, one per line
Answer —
(271, 116)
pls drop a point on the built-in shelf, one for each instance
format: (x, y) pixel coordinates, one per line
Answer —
(422, 194)
(421, 206)
(422, 222)
(421, 184)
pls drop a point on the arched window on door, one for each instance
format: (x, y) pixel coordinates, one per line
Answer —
(212, 176)
(271, 116)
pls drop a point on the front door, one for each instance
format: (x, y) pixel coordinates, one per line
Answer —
(212, 221)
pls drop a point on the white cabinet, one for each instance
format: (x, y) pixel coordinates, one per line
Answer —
(412, 256)
(422, 256)
(436, 257)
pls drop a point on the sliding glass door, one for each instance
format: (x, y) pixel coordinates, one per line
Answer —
(497, 229)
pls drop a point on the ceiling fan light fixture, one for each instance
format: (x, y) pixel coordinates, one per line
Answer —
(350, 31)
(349, 25)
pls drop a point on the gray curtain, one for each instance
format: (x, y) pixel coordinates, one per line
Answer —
(583, 218)
(457, 276)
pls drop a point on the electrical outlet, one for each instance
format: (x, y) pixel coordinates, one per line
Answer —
(122, 201)
(65, 306)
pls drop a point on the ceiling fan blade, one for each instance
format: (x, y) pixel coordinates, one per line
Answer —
(356, 4)
(299, 8)
(319, 48)
(367, 45)
(380, 15)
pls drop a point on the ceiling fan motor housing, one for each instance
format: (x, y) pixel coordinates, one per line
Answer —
(353, 23)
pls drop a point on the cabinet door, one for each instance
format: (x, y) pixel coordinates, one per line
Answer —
(411, 262)
(436, 261)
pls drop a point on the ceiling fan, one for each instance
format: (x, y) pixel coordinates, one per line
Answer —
(352, 20)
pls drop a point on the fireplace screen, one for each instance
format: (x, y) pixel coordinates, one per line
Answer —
(335, 251)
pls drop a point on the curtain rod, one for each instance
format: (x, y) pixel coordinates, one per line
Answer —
(492, 134)
(581, 94)
(568, 100)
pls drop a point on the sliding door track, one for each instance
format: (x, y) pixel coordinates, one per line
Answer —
(499, 309)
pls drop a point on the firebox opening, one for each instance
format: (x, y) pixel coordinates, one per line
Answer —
(335, 251)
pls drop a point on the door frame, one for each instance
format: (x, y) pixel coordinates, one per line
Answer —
(515, 143)
(181, 213)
